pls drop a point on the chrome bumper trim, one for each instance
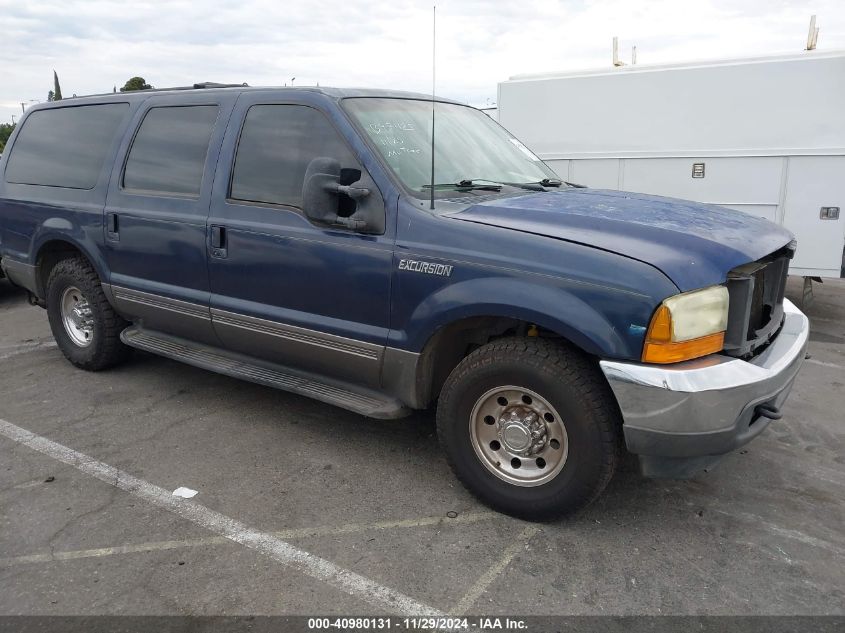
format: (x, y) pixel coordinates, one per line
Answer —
(706, 406)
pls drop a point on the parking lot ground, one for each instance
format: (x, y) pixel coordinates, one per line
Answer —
(303, 508)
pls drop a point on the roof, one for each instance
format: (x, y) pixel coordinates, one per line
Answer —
(334, 93)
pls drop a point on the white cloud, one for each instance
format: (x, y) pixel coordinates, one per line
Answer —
(97, 44)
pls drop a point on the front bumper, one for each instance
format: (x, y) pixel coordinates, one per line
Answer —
(681, 418)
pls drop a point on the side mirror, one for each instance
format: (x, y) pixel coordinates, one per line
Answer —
(320, 190)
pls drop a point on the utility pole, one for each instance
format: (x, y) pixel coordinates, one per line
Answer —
(13, 119)
(23, 109)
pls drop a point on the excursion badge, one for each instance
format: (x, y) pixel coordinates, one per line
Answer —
(441, 270)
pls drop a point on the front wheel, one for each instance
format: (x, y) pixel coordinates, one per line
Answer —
(530, 426)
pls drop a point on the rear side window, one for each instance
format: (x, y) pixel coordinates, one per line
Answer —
(169, 151)
(277, 143)
(64, 147)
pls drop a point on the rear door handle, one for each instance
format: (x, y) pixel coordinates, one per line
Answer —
(112, 227)
(217, 241)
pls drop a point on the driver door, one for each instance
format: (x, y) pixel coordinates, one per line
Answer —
(283, 289)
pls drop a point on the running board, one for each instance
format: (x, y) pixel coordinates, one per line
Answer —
(351, 397)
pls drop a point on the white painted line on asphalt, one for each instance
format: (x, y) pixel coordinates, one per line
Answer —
(805, 469)
(24, 348)
(487, 578)
(24, 344)
(292, 533)
(321, 569)
(330, 530)
(824, 364)
(777, 530)
(49, 557)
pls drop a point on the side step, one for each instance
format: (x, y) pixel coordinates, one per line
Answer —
(352, 397)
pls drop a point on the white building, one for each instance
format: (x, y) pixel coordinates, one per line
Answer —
(762, 135)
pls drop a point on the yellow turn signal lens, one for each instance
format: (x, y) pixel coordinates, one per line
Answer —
(668, 352)
(660, 330)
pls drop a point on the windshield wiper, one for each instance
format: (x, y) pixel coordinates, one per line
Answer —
(485, 184)
(530, 186)
(466, 185)
(551, 182)
(539, 185)
(496, 185)
(555, 182)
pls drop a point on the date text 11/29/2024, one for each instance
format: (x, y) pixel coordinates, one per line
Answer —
(417, 623)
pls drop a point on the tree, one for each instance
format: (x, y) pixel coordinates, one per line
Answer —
(57, 89)
(136, 83)
(5, 132)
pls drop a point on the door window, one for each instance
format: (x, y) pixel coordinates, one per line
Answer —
(277, 143)
(169, 151)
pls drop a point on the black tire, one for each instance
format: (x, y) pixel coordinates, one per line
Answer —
(105, 348)
(568, 380)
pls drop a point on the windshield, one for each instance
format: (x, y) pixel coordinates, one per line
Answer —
(469, 146)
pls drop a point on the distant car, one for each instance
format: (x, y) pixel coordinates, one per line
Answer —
(298, 239)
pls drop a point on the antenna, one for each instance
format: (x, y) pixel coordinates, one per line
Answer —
(433, 65)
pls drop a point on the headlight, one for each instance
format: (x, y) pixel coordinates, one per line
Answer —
(687, 326)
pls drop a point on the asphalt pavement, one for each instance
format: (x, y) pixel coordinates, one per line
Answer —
(303, 508)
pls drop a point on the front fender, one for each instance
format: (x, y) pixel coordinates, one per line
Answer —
(597, 319)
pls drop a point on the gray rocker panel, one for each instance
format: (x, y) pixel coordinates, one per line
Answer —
(311, 350)
(351, 397)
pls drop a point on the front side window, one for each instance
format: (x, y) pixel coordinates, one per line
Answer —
(277, 143)
(468, 144)
(64, 147)
(168, 153)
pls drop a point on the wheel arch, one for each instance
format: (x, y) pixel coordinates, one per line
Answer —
(51, 248)
(498, 308)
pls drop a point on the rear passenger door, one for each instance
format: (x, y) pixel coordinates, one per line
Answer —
(284, 289)
(155, 216)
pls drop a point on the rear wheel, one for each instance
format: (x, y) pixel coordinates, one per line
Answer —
(530, 427)
(84, 324)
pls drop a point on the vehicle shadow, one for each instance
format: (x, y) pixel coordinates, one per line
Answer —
(10, 295)
(408, 444)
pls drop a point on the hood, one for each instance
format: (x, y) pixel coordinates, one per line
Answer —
(693, 244)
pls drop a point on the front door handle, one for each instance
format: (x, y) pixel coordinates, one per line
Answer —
(217, 241)
(112, 227)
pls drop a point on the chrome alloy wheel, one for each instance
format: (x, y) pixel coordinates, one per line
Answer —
(77, 317)
(518, 436)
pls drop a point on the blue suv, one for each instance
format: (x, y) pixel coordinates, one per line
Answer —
(318, 241)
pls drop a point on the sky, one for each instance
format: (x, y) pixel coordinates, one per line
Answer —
(97, 44)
